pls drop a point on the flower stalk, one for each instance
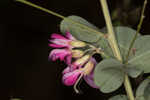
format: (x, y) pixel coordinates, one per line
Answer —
(114, 46)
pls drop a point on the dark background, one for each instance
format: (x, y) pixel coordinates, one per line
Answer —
(25, 71)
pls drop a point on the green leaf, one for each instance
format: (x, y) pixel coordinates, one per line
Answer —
(124, 36)
(103, 43)
(79, 32)
(147, 92)
(108, 75)
(142, 54)
(143, 90)
(119, 97)
(132, 71)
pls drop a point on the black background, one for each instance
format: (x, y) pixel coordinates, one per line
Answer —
(25, 71)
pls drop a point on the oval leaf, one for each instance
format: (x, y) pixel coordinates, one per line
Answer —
(142, 54)
(108, 76)
(124, 36)
(132, 71)
(119, 97)
(77, 31)
(143, 90)
(147, 92)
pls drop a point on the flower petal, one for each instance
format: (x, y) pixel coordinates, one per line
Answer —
(64, 43)
(90, 77)
(58, 36)
(55, 45)
(66, 70)
(69, 36)
(90, 80)
(68, 59)
(59, 54)
(93, 60)
(71, 77)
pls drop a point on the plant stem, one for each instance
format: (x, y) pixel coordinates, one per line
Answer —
(128, 88)
(137, 32)
(60, 16)
(111, 36)
(114, 46)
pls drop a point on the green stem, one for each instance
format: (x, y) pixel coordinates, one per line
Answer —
(60, 16)
(137, 32)
(128, 87)
(114, 46)
(111, 36)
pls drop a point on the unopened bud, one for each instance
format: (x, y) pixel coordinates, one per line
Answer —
(77, 53)
(77, 44)
(88, 68)
(82, 60)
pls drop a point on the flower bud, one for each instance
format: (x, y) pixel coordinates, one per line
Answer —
(88, 68)
(82, 60)
(77, 53)
(77, 44)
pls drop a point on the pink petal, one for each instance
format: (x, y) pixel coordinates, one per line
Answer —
(55, 45)
(59, 54)
(62, 42)
(90, 80)
(62, 56)
(66, 70)
(71, 77)
(58, 36)
(73, 66)
(69, 36)
(93, 60)
(68, 59)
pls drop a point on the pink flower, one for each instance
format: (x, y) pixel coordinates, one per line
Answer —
(70, 76)
(64, 47)
(62, 54)
(59, 41)
(83, 65)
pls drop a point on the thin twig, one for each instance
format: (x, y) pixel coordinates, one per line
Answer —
(60, 16)
(137, 32)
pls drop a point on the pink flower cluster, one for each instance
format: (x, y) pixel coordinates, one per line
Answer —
(83, 65)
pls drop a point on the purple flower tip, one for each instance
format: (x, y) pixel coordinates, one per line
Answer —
(70, 78)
